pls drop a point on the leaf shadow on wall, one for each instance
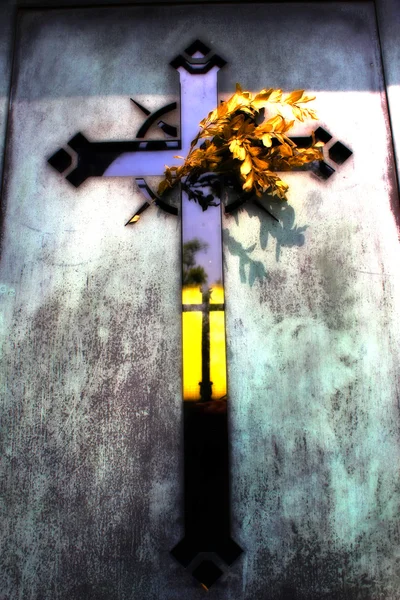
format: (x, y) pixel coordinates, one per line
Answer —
(285, 232)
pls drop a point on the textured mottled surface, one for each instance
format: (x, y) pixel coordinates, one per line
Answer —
(90, 324)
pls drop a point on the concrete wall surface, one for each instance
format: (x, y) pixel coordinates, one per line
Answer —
(91, 334)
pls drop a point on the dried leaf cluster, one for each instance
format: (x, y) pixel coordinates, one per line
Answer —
(240, 143)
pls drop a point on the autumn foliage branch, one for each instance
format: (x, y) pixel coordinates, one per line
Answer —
(239, 142)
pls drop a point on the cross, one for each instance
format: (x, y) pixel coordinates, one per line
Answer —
(207, 545)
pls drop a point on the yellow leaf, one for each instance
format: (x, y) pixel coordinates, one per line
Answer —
(298, 113)
(285, 150)
(246, 165)
(294, 96)
(307, 99)
(238, 99)
(261, 99)
(226, 132)
(288, 126)
(164, 185)
(264, 128)
(276, 122)
(248, 184)
(237, 122)
(222, 110)
(267, 140)
(276, 96)
(247, 110)
(208, 117)
(281, 126)
(281, 184)
(239, 152)
(168, 173)
(254, 150)
(233, 102)
(261, 165)
(246, 129)
(237, 149)
(313, 114)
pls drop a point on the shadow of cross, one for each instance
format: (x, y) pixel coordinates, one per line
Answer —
(207, 546)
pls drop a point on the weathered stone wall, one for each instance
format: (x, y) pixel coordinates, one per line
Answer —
(90, 317)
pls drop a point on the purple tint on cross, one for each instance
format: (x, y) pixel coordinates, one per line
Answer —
(198, 98)
(206, 227)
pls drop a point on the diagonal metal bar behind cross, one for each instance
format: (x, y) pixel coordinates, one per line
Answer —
(207, 538)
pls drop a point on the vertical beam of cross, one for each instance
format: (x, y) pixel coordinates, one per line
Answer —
(206, 463)
(207, 506)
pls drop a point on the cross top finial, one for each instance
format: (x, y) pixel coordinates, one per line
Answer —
(198, 59)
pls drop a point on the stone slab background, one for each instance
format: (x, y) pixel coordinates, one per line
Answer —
(90, 322)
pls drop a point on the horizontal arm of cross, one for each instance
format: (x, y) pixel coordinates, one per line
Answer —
(95, 159)
(136, 158)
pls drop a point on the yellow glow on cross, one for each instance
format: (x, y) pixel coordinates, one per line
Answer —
(217, 354)
(217, 294)
(217, 344)
(192, 344)
(191, 295)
